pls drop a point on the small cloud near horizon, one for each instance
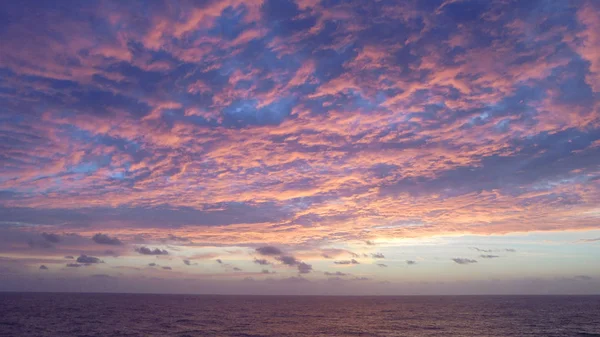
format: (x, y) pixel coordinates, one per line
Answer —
(149, 251)
(488, 256)
(464, 261)
(352, 261)
(269, 251)
(104, 239)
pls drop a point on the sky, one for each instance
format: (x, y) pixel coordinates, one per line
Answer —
(300, 147)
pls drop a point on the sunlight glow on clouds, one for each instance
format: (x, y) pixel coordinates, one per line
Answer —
(142, 133)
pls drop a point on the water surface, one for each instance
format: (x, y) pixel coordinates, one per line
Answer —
(53, 314)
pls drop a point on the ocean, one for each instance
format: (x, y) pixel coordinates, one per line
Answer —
(83, 315)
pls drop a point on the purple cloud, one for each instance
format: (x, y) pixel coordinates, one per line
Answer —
(84, 259)
(352, 261)
(104, 239)
(269, 251)
(149, 251)
(464, 261)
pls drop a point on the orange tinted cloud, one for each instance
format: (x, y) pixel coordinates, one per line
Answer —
(305, 124)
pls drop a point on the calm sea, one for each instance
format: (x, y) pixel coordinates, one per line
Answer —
(45, 314)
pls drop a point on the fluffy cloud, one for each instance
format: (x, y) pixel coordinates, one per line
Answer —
(262, 262)
(269, 251)
(304, 268)
(288, 260)
(149, 251)
(104, 239)
(54, 238)
(88, 259)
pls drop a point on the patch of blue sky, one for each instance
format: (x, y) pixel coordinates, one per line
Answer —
(551, 184)
(88, 167)
(515, 240)
(247, 112)
(119, 175)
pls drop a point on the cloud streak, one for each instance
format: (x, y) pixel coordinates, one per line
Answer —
(84, 259)
(352, 261)
(460, 260)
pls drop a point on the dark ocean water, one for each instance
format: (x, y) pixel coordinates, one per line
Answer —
(42, 314)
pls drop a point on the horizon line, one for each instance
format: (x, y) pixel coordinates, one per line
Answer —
(291, 295)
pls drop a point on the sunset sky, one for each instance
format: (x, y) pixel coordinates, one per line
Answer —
(307, 147)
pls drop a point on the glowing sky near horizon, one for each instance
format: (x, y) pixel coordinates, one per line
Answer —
(280, 146)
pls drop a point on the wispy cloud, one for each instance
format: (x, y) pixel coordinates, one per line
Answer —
(337, 273)
(269, 251)
(589, 240)
(488, 256)
(352, 261)
(482, 250)
(464, 261)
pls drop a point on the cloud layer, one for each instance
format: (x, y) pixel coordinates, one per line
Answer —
(293, 127)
